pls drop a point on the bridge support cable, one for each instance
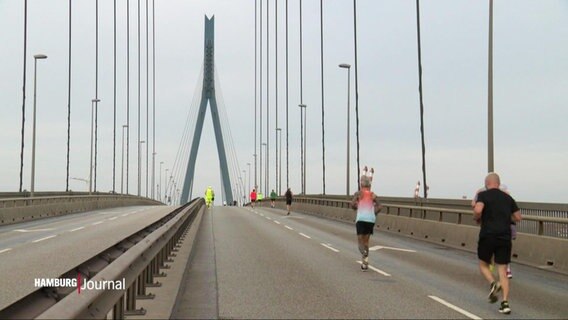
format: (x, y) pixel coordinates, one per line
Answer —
(229, 141)
(421, 99)
(184, 145)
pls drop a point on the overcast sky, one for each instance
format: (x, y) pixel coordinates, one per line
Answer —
(530, 97)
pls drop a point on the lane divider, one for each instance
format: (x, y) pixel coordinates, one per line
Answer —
(329, 247)
(456, 308)
(98, 222)
(5, 250)
(379, 271)
(305, 235)
(113, 218)
(289, 228)
(277, 222)
(76, 229)
(45, 238)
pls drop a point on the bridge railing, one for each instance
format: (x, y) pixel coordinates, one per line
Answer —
(539, 219)
(136, 261)
(14, 210)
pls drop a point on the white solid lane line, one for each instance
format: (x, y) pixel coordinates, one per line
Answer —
(379, 271)
(289, 228)
(458, 309)
(45, 238)
(76, 229)
(5, 250)
(305, 235)
(33, 230)
(375, 248)
(329, 247)
(277, 222)
(98, 222)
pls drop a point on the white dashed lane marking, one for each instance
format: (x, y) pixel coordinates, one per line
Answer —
(376, 270)
(113, 218)
(289, 228)
(305, 236)
(329, 247)
(5, 250)
(277, 222)
(456, 308)
(45, 238)
(76, 229)
(98, 222)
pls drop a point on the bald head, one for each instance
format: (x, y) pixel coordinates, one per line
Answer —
(492, 181)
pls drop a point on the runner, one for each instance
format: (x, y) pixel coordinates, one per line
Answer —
(288, 195)
(495, 210)
(273, 196)
(252, 197)
(503, 188)
(209, 197)
(367, 205)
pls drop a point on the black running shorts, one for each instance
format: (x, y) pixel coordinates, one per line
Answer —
(364, 227)
(500, 249)
(288, 202)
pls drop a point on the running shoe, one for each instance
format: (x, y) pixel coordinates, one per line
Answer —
(366, 260)
(505, 307)
(509, 273)
(495, 288)
(364, 267)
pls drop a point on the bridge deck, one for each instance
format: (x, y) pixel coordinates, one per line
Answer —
(263, 264)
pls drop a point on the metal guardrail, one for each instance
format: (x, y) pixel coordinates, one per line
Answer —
(554, 226)
(137, 260)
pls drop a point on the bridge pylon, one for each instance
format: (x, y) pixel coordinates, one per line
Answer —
(208, 97)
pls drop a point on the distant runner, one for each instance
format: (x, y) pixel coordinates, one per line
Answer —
(273, 196)
(368, 206)
(288, 195)
(495, 210)
(252, 197)
(209, 196)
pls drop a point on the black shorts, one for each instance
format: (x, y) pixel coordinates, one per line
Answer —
(288, 202)
(500, 249)
(252, 200)
(364, 227)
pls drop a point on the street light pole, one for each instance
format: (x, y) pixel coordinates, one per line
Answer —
(160, 183)
(490, 155)
(139, 160)
(249, 189)
(122, 161)
(348, 67)
(166, 186)
(303, 145)
(279, 160)
(93, 101)
(265, 184)
(36, 57)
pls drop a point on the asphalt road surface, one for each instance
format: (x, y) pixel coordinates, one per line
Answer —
(262, 264)
(47, 248)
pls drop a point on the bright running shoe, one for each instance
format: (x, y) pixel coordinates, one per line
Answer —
(495, 288)
(509, 273)
(505, 308)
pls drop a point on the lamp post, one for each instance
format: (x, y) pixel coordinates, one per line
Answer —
(160, 182)
(348, 67)
(249, 189)
(36, 57)
(303, 144)
(279, 160)
(265, 185)
(166, 186)
(153, 175)
(490, 154)
(122, 161)
(139, 159)
(93, 102)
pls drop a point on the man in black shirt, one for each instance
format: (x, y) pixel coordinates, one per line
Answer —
(495, 210)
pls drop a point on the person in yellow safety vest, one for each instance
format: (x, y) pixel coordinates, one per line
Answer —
(259, 197)
(209, 196)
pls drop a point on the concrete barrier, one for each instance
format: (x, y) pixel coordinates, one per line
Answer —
(535, 250)
(17, 210)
